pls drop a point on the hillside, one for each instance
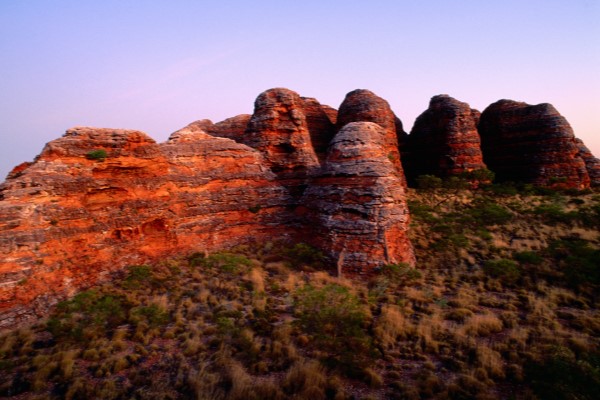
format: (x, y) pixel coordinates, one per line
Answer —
(501, 303)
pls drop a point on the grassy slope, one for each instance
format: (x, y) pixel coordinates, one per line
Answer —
(503, 304)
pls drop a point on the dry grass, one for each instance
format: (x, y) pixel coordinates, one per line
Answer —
(482, 325)
(390, 325)
(454, 332)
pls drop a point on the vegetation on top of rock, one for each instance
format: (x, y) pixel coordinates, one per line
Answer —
(98, 155)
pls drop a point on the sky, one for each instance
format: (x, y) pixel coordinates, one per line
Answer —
(156, 66)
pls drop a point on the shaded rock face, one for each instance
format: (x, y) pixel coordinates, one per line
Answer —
(444, 140)
(97, 200)
(231, 128)
(532, 144)
(321, 124)
(362, 105)
(357, 204)
(592, 164)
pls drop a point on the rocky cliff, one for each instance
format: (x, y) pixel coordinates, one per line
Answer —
(533, 144)
(97, 200)
(444, 140)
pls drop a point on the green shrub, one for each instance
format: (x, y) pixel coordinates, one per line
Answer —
(421, 211)
(486, 213)
(528, 257)
(152, 313)
(400, 272)
(478, 176)
(228, 262)
(506, 270)
(503, 189)
(97, 155)
(554, 213)
(302, 254)
(456, 183)
(577, 259)
(429, 182)
(560, 375)
(88, 315)
(136, 277)
(336, 319)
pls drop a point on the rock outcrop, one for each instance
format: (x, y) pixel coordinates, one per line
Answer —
(532, 144)
(444, 140)
(76, 214)
(357, 204)
(279, 129)
(592, 164)
(97, 200)
(362, 105)
(231, 128)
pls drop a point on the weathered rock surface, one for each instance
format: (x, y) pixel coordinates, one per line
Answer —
(362, 105)
(592, 164)
(67, 221)
(279, 129)
(71, 217)
(97, 200)
(321, 124)
(357, 204)
(444, 140)
(532, 144)
(231, 128)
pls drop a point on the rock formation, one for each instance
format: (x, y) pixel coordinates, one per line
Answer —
(443, 141)
(364, 105)
(279, 129)
(532, 144)
(67, 220)
(97, 200)
(321, 124)
(357, 204)
(231, 128)
(592, 164)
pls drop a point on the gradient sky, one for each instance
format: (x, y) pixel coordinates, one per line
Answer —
(158, 65)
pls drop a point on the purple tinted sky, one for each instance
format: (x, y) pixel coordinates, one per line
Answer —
(158, 65)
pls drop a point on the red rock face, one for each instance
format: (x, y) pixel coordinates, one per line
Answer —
(279, 129)
(592, 164)
(68, 220)
(357, 204)
(364, 105)
(444, 140)
(532, 144)
(97, 200)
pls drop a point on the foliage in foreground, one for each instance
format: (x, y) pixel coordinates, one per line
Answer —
(503, 304)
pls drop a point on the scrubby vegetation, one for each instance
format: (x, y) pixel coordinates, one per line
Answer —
(97, 155)
(503, 304)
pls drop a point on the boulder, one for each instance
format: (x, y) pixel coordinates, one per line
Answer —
(443, 141)
(531, 144)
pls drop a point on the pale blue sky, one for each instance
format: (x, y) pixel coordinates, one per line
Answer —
(158, 65)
